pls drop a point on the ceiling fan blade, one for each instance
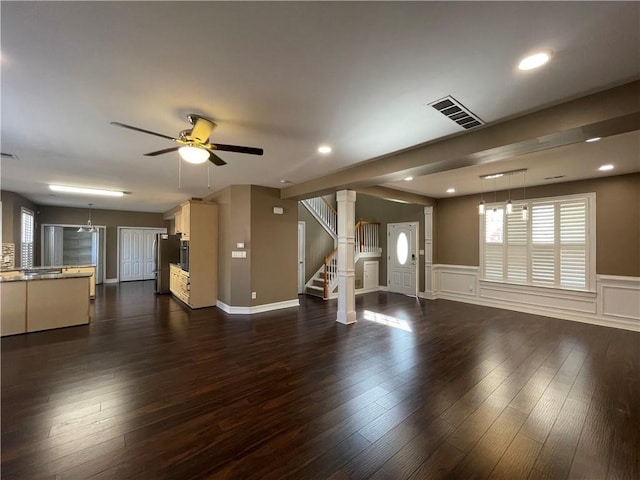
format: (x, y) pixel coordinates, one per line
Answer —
(213, 158)
(161, 152)
(237, 148)
(130, 127)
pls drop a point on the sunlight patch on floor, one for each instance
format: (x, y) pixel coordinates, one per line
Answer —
(387, 320)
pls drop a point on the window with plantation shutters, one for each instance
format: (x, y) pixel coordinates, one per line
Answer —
(553, 247)
(27, 237)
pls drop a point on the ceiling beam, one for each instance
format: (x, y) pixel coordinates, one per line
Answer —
(603, 114)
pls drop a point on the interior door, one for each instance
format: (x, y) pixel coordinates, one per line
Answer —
(301, 257)
(402, 250)
(148, 257)
(131, 254)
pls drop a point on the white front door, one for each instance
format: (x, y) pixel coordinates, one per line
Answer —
(131, 254)
(301, 257)
(402, 250)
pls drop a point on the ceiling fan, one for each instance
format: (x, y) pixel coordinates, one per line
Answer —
(195, 145)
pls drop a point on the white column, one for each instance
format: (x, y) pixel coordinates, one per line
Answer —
(346, 254)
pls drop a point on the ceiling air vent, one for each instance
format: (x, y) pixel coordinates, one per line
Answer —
(453, 109)
(9, 155)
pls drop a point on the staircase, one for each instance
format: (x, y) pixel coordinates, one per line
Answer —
(325, 281)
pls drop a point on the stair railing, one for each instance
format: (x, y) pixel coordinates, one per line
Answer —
(330, 270)
(324, 212)
(367, 235)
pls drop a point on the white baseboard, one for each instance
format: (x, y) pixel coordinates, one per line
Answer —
(110, 280)
(615, 303)
(267, 307)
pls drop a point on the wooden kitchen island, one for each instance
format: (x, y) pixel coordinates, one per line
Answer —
(30, 303)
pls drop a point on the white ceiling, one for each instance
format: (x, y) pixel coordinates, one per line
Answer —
(283, 76)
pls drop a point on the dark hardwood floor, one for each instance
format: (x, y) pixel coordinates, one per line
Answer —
(433, 389)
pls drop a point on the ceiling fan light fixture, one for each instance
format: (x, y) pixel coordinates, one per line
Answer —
(193, 154)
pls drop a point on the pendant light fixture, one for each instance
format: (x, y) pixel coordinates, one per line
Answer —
(88, 228)
(482, 208)
(509, 204)
(525, 209)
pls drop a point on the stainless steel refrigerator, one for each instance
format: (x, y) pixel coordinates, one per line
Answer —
(166, 250)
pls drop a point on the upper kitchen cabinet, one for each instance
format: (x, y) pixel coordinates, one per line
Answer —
(186, 221)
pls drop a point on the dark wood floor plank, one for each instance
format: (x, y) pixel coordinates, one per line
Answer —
(518, 460)
(439, 464)
(557, 453)
(151, 389)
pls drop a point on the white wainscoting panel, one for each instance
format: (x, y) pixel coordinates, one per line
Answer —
(615, 303)
(458, 281)
(620, 297)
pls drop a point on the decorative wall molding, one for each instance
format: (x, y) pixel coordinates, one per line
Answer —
(267, 307)
(615, 303)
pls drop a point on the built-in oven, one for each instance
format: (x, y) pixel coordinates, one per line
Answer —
(184, 255)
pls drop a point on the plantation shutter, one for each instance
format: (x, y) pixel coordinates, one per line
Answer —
(517, 246)
(573, 235)
(494, 245)
(552, 248)
(27, 236)
(542, 244)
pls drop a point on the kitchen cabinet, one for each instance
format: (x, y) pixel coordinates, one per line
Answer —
(178, 222)
(186, 221)
(13, 315)
(179, 283)
(31, 303)
(199, 225)
(92, 278)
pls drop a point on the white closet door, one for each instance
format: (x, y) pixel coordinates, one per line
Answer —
(131, 254)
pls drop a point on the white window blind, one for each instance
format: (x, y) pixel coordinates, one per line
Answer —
(27, 237)
(553, 248)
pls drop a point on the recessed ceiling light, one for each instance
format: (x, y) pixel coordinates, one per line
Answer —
(86, 191)
(593, 139)
(536, 60)
(324, 149)
(605, 168)
(451, 190)
(408, 179)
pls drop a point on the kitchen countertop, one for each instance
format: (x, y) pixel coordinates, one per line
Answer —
(49, 267)
(44, 276)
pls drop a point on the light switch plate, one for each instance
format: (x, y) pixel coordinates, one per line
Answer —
(238, 254)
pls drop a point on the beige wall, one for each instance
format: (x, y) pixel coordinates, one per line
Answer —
(234, 274)
(271, 243)
(109, 218)
(274, 240)
(617, 223)
(12, 204)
